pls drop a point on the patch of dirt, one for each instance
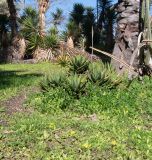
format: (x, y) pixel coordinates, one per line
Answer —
(15, 103)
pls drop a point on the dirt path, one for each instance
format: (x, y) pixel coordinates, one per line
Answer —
(15, 103)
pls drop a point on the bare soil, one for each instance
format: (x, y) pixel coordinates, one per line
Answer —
(15, 103)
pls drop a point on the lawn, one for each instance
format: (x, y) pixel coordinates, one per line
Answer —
(111, 125)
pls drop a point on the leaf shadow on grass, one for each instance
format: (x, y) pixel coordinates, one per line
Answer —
(16, 78)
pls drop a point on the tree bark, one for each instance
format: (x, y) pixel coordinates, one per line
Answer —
(126, 33)
(43, 6)
(13, 19)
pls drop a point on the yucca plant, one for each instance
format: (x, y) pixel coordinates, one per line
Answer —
(49, 41)
(77, 84)
(79, 64)
(54, 80)
(29, 30)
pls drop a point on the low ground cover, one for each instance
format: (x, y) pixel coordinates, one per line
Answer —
(103, 123)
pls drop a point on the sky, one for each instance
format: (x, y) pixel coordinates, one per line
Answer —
(65, 5)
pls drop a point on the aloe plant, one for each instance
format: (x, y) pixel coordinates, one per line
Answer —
(114, 79)
(79, 64)
(77, 84)
(53, 80)
(63, 60)
(103, 75)
(97, 73)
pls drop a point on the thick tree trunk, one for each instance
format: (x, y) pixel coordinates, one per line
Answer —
(17, 48)
(126, 33)
(43, 6)
(13, 14)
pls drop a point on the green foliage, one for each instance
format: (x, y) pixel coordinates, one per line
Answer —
(34, 41)
(30, 12)
(74, 85)
(63, 60)
(29, 22)
(106, 22)
(53, 101)
(112, 124)
(53, 31)
(80, 24)
(77, 84)
(97, 73)
(103, 75)
(17, 77)
(86, 98)
(114, 79)
(77, 13)
(50, 41)
(56, 79)
(72, 31)
(82, 19)
(30, 30)
(88, 23)
(57, 17)
(78, 64)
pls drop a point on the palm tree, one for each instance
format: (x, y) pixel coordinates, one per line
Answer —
(105, 24)
(126, 32)
(74, 26)
(109, 29)
(77, 13)
(29, 29)
(88, 23)
(17, 49)
(13, 17)
(43, 6)
(57, 17)
(103, 6)
(4, 23)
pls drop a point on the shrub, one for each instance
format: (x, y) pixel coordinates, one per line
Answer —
(53, 101)
(56, 79)
(79, 64)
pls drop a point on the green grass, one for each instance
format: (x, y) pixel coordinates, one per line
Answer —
(15, 77)
(120, 128)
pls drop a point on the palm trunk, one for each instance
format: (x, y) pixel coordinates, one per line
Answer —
(43, 6)
(126, 33)
(70, 42)
(109, 38)
(13, 14)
